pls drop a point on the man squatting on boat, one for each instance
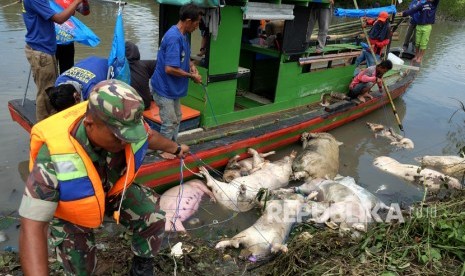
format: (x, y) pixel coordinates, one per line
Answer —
(361, 85)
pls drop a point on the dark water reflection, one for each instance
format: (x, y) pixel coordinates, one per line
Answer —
(425, 110)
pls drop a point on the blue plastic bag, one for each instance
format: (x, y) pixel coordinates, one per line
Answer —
(364, 12)
(73, 30)
(118, 65)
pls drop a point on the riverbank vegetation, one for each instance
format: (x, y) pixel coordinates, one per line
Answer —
(431, 241)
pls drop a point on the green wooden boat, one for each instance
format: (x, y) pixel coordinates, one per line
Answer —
(254, 95)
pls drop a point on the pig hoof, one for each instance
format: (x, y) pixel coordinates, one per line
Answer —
(194, 221)
(331, 225)
(276, 247)
(359, 227)
(312, 195)
(299, 175)
(251, 151)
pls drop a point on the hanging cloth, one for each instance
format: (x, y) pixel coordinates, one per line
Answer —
(118, 65)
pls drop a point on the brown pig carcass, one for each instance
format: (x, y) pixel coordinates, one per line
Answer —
(235, 169)
(319, 158)
(389, 133)
(181, 202)
(269, 233)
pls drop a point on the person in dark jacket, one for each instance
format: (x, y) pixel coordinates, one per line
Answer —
(424, 19)
(141, 71)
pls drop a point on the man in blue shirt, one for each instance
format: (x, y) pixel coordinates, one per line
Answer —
(173, 70)
(424, 15)
(77, 82)
(40, 48)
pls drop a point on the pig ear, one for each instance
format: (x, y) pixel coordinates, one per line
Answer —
(340, 143)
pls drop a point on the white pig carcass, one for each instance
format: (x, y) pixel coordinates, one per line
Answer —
(240, 194)
(269, 233)
(426, 177)
(342, 201)
(450, 165)
(235, 169)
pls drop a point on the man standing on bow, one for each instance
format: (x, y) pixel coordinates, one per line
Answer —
(174, 68)
(320, 12)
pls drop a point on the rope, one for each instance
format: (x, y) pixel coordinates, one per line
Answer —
(229, 199)
(204, 86)
(116, 214)
(220, 174)
(11, 4)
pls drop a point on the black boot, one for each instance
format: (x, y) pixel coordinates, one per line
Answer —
(141, 266)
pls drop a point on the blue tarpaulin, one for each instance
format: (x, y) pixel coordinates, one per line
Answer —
(374, 12)
(73, 30)
(118, 65)
(200, 3)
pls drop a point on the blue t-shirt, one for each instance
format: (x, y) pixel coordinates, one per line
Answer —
(174, 51)
(40, 34)
(88, 72)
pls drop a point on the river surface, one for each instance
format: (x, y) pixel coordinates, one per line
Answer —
(425, 110)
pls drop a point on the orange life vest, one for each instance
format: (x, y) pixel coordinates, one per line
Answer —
(82, 198)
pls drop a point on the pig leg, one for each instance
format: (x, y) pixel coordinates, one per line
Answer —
(207, 176)
(385, 207)
(232, 163)
(257, 159)
(323, 217)
(312, 195)
(228, 243)
(263, 155)
(375, 127)
(175, 225)
(395, 135)
(207, 191)
(283, 191)
(276, 247)
(359, 227)
(299, 175)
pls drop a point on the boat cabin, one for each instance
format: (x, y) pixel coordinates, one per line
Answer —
(257, 60)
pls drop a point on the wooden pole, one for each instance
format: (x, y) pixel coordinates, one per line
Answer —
(386, 89)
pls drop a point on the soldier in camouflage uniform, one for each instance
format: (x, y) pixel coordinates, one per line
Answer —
(111, 122)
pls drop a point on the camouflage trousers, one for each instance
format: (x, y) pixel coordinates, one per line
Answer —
(140, 213)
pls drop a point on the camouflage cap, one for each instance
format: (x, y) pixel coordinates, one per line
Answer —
(119, 106)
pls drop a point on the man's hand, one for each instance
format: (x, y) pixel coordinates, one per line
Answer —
(196, 78)
(193, 69)
(184, 150)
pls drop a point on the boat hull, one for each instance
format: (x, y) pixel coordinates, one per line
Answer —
(215, 151)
